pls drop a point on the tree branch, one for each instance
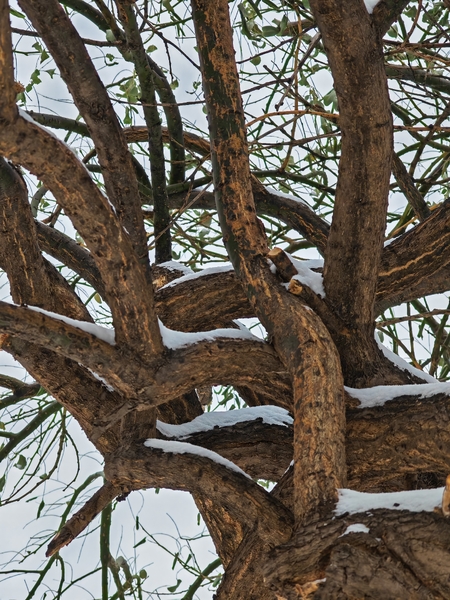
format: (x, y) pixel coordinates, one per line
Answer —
(307, 352)
(386, 12)
(142, 467)
(83, 517)
(406, 184)
(92, 100)
(356, 236)
(161, 218)
(33, 280)
(129, 292)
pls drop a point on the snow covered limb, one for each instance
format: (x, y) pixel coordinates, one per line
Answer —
(182, 466)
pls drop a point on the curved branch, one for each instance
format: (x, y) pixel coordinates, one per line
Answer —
(70, 253)
(217, 357)
(92, 100)
(181, 467)
(72, 385)
(307, 352)
(415, 259)
(33, 280)
(262, 450)
(387, 12)
(129, 293)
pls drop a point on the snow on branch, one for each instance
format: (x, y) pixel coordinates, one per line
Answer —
(184, 448)
(354, 502)
(380, 394)
(271, 415)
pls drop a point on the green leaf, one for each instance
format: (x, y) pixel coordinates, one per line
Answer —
(270, 30)
(35, 79)
(2, 482)
(393, 31)
(255, 60)
(143, 574)
(152, 48)
(174, 588)
(41, 506)
(175, 560)
(21, 462)
(174, 84)
(16, 13)
(2, 426)
(140, 543)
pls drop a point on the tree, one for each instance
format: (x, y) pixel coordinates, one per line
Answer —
(125, 385)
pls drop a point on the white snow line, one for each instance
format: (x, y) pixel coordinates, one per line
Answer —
(104, 334)
(183, 448)
(402, 364)
(356, 528)
(380, 394)
(271, 415)
(354, 502)
(178, 339)
(203, 273)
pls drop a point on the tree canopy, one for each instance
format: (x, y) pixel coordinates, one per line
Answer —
(241, 206)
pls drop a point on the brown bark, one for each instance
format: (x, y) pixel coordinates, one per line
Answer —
(401, 557)
(352, 259)
(313, 343)
(308, 347)
(91, 99)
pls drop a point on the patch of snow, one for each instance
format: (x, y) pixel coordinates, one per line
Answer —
(402, 364)
(178, 339)
(287, 196)
(310, 278)
(370, 5)
(271, 415)
(105, 383)
(107, 335)
(378, 395)
(183, 448)
(173, 265)
(356, 528)
(415, 501)
(204, 273)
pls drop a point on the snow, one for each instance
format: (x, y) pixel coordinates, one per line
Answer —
(271, 415)
(378, 395)
(370, 5)
(287, 196)
(178, 339)
(356, 528)
(402, 364)
(107, 335)
(415, 501)
(173, 265)
(203, 273)
(97, 376)
(183, 448)
(310, 278)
